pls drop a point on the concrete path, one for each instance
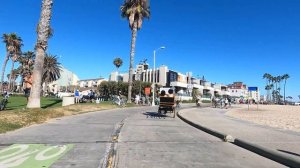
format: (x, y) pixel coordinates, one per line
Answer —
(149, 140)
(280, 142)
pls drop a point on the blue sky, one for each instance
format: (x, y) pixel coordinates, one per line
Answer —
(224, 40)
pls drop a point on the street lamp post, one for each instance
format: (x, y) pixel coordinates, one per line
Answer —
(153, 92)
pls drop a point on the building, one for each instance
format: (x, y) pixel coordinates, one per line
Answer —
(89, 83)
(67, 79)
(238, 90)
(183, 83)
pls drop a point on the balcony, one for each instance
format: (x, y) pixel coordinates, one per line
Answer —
(179, 84)
(224, 92)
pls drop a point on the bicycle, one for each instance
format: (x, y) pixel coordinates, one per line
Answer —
(4, 101)
(119, 101)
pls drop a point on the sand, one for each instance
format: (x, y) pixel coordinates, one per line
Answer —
(279, 116)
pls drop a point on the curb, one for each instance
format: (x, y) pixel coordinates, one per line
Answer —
(265, 152)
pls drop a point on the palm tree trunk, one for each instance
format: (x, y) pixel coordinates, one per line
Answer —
(11, 76)
(3, 70)
(132, 51)
(41, 47)
(284, 91)
(35, 94)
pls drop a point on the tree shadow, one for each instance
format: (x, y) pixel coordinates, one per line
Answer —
(288, 152)
(155, 115)
(52, 104)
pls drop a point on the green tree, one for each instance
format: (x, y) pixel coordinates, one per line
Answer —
(26, 61)
(51, 70)
(13, 46)
(44, 32)
(13, 76)
(268, 78)
(118, 62)
(135, 11)
(285, 77)
(195, 93)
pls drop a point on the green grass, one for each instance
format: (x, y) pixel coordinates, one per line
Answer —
(20, 102)
(16, 115)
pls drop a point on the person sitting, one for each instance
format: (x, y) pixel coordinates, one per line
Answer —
(163, 93)
(171, 93)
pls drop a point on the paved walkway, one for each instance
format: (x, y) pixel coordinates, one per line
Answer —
(280, 144)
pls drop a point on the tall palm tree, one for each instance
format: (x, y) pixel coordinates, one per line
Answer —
(118, 62)
(26, 61)
(267, 76)
(135, 11)
(285, 77)
(13, 44)
(14, 57)
(12, 76)
(51, 71)
(44, 32)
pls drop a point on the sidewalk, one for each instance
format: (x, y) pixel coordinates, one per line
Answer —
(279, 145)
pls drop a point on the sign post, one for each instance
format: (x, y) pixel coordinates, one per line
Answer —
(251, 89)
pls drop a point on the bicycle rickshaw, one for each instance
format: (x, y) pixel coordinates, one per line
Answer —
(167, 104)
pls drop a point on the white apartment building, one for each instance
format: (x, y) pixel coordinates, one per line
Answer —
(67, 78)
(183, 83)
(90, 82)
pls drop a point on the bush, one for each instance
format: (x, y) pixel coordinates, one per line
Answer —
(188, 101)
(206, 101)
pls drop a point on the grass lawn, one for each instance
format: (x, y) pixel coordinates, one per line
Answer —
(20, 102)
(16, 115)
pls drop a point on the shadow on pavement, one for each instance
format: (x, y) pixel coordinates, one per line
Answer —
(155, 115)
(291, 153)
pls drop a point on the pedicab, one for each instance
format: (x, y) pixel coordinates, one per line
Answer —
(167, 104)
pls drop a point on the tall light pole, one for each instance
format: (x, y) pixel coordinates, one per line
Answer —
(153, 71)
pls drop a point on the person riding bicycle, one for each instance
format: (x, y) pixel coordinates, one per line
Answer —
(119, 98)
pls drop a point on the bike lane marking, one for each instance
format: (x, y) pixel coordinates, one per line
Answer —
(32, 155)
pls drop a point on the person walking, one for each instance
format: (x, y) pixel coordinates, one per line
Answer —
(226, 103)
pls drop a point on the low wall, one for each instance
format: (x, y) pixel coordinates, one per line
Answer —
(67, 100)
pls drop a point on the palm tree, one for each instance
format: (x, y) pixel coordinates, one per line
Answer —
(118, 62)
(14, 57)
(12, 76)
(44, 32)
(13, 44)
(26, 61)
(135, 11)
(51, 71)
(267, 76)
(285, 77)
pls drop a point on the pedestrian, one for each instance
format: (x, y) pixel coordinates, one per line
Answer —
(28, 84)
(226, 103)
(77, 96)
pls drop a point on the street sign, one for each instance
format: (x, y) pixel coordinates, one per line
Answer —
(252, 88)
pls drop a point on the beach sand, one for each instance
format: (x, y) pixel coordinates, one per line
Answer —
(279, 116)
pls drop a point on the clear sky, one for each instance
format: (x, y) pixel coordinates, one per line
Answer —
(224, 40)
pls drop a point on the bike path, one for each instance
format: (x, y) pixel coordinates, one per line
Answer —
(276, 141)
